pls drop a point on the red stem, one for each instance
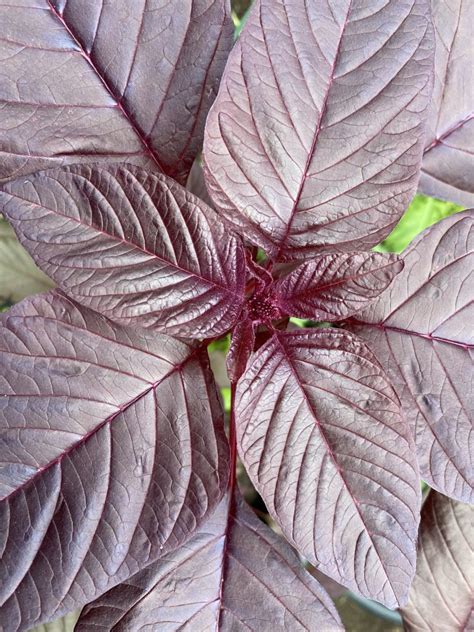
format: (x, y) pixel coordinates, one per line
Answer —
(232, 440)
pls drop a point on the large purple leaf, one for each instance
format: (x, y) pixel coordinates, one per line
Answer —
(234, 575)
(138, 248)
(442, 593)
(335, 286)
(448, 162)
(321, 435)
(315, 139)
(112, 453)
(85, 80)
(421, 330)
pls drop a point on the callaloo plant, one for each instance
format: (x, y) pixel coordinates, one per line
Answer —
(118, 482)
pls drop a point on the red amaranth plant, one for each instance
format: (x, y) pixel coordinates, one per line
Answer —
(117, 480)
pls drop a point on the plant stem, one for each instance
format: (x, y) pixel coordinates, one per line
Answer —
(232, 440)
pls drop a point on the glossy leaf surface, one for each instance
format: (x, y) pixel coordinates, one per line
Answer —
(442, 594)
(86, 80)
(234, 575)
(335, 286)
(112, 453)
(421, 330)
(321, 435)
(448, 161)
(19, 277)
(138, 248)
(315, 139)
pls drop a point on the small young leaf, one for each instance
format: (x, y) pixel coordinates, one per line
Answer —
(316, 136)
(320, 432)
(112, 453)
(421, 331)
(241, 347)
(19, 277)
(335, 286)
(442, 593)
(235, 574)
(138, 248)
(448, 161)
(129, 81)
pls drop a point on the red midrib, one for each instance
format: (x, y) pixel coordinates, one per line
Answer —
(117, 98)
(440, 139)
(409, 332)
(93, 431)
(336, 464)
(315, 137)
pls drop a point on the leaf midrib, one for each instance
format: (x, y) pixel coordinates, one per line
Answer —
(408, 332)
(313, 288)
(225, 288)
(315, 139)
(118, 101)
(109, 419)
(331, 453)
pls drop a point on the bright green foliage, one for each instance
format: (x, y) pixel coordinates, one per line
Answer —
(225, 392)
(422, 212)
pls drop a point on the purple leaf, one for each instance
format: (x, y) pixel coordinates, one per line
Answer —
(138, 248)
(448, 162)
(320, 432)
(315, 139)
(112, 453)
(335, 286)
(241, 347)
(235, 574)
(130, 81)
(442, 594)
(421, 330)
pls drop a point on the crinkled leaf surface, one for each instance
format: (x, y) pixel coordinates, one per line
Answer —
(138, 248)
(19, 277)
(335, 286)
(315, 139)
(442, 593)
(112, 452)
(321, 435)
(85, 80)
(448, 162)
(234, 575)
(421, 330)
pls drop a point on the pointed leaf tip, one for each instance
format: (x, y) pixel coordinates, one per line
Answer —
(297, 156)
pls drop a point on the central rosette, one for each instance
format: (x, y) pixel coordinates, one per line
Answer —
(262, 307)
